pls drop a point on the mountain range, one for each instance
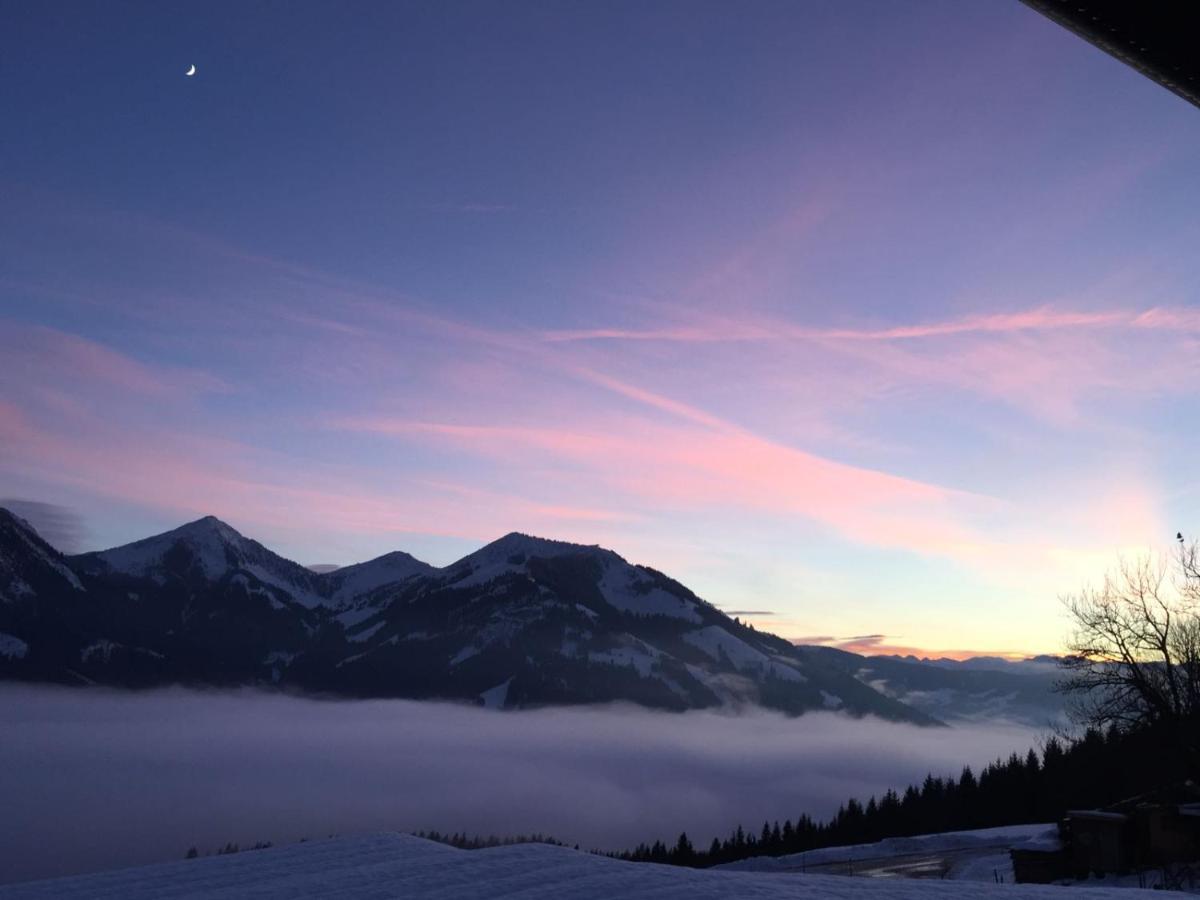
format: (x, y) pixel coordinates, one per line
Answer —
(522, 622)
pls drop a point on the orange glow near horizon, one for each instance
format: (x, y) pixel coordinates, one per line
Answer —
(878, 645)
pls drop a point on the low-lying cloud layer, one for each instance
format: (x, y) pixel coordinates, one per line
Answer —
(93, 779)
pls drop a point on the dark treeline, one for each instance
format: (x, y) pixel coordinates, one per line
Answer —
(228, 849)
(478, 842)
(1095, 770)
(463, 841)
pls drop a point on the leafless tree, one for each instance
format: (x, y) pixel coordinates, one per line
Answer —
(1134, 658)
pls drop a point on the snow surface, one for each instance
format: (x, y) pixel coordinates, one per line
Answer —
(101, 649)
(642, 660)
(715, 640)
(1003, 837)
(206, 538)
(212, 543)
(18, 588)
(623, 587)
(366, 634)
(396, 865)
(464, 654)
(496, 697)
(362, 578)
(353, 616)
(12, 646)
(497, 558)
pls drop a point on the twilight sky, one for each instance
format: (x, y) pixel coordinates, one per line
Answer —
(881, 318)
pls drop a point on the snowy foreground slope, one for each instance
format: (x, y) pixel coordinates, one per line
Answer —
(395, 865)
(977, 840)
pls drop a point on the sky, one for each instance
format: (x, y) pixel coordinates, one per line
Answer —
(876, 320)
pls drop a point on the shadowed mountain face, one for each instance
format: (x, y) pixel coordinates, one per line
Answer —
(521, 622)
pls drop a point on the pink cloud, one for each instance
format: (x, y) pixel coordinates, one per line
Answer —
(657, 466)
(717, 330)
(1043, 361)
(40, 355)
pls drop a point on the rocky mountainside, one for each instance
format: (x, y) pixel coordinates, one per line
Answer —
(521, 622)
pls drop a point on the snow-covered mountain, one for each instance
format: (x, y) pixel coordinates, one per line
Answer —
(347, 583)
(523, 621)
(205, 552)
(29, 568)
(28, 565)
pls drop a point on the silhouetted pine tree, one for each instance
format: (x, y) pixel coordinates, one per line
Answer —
(1095, 770)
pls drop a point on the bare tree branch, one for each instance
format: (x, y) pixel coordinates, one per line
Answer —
(1134, 652)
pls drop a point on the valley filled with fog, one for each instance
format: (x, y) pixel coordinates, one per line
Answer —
(95, 779)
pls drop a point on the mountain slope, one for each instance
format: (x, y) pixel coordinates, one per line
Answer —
(523, 621)
(527, 621)
(205, 551)
(29, 570)
(350, 582)
(28, 565)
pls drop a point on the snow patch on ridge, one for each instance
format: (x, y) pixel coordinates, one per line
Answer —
(627, 590)
(367, 633)
(12, 646)
(363, 578)
(464, 654)
(641, 659)
(496, 697)
(100, 650)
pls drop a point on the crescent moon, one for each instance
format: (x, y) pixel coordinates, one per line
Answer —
(191, 71)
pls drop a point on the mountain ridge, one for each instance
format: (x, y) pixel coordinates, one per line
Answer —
(522, 621)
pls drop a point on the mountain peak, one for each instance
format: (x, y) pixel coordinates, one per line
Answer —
(208, 525)
(510, 554)
(209, 549)
(347, 582)
(519, 542)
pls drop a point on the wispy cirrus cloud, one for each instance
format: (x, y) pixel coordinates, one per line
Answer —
(1044, 362)
(711, 329)
(692, 467)
(38, 355)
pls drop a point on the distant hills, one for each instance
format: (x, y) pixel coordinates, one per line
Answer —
(522, 622)
(980, 689)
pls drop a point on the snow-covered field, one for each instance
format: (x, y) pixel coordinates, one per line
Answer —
(980, 855)
(977, 855)
(395, 865)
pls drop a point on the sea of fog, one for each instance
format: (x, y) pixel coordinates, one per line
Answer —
(92, 779)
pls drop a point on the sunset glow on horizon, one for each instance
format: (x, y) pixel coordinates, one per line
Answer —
(877, 326)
